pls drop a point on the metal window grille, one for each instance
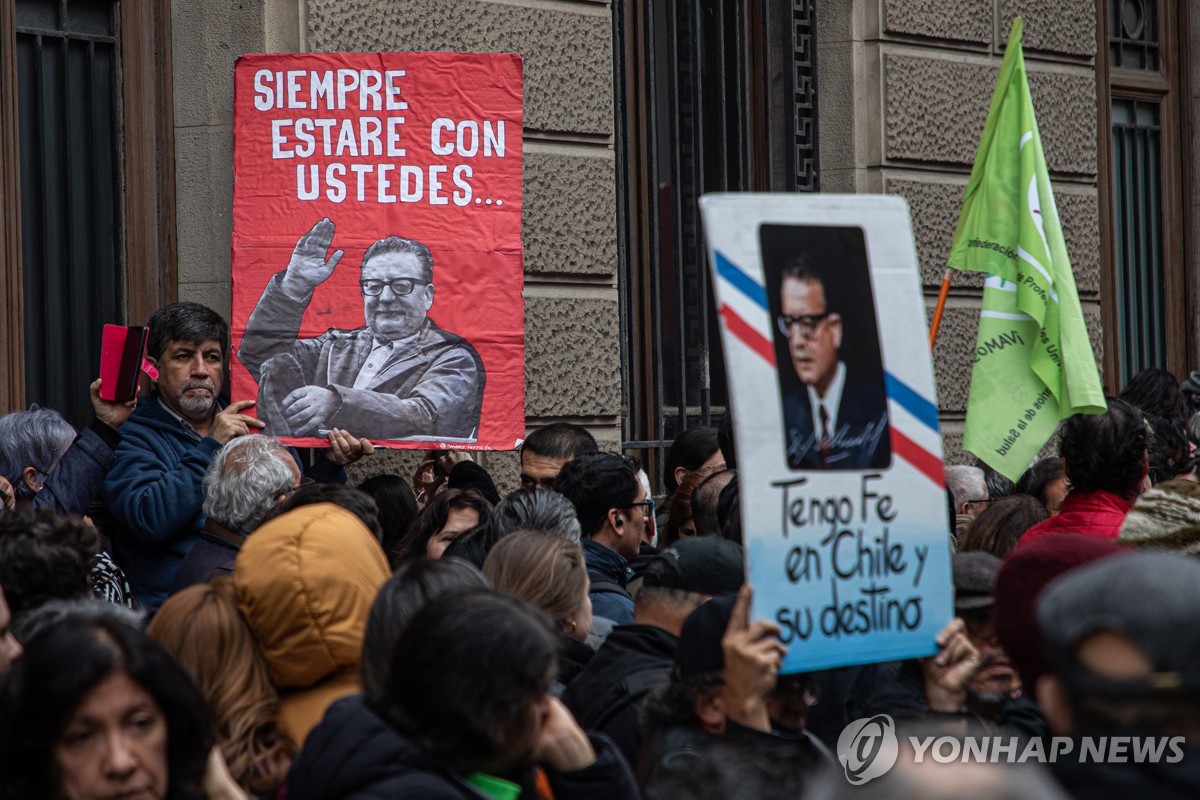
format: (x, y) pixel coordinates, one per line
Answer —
(696, 122)
(1133, 39)
(1137, 227)
(69, 122)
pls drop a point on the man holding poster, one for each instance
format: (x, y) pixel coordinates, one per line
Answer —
(399, 375)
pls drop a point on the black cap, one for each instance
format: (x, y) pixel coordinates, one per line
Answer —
(700, 638)
(974, 580)
(705, 565)
(1150, 598)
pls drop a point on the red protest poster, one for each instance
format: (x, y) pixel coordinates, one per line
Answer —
(377, 258)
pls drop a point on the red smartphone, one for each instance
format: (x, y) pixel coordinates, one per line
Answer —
(121, 352)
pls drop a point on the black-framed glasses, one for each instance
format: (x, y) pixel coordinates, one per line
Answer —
(399, 286)
(804, 324)
(647, 506)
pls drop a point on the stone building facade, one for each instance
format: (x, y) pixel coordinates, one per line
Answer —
(901, 92)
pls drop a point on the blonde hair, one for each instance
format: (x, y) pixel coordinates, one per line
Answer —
(202, 628)
(543, 569)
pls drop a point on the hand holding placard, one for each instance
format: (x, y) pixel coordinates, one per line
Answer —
(230, 423)
(753, 656)
(948, 673)
(111, 413)
(308, 267)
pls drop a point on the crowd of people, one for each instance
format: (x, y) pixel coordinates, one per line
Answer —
(191, 609)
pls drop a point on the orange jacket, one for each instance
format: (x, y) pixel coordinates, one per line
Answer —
(305, 583)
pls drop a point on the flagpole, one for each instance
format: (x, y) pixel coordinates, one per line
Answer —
(937, 311)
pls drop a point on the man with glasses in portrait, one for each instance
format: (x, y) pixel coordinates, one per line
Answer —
(835, 419)
(399, 376)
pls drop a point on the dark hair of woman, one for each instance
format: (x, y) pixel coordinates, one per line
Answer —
(467, 674)
(474, 545)
(1105, 452)
(44, 557)
(689, 450)
(60, 666)
(999, 526)
(1168, 449)
(404, 594)
(434, 517)
(397, 510)
(1040, 476)
(356, 501)
(679, 507)
(1156, 393)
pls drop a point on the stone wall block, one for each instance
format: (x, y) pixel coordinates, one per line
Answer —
(202, 63)
(214, 294)
(959, 20)
(385, 462)
(934, 110)
(570, 214)
(1092, 318)
(572, 357)
(953, 356)
(204, 197)
(952, 436)
(935, 207)
(568, 56)
(1064, 26)
(1079, 213)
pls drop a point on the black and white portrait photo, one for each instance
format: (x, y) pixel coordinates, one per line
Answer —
(397, 376)
(827, 346)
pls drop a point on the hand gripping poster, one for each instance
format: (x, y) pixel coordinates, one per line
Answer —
(840, 473)
(377, 258)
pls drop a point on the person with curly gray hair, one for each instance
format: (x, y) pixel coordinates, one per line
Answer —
(246, 478)
(50, 465)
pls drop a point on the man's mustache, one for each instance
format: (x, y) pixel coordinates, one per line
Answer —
(189, 385)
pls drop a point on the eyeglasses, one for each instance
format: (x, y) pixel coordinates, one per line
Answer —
(805, 324)
(399, 286)
(304, 481)
(647, 506)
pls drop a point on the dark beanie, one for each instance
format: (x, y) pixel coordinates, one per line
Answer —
(469, 475)
(1025, 572)
(700, 637)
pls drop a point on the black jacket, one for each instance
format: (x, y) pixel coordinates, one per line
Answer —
(606, 696)
(353, 754)
(573, 656)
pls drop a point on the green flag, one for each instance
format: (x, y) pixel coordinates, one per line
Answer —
(1034, 364)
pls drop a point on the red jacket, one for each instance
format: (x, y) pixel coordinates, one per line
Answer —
(1098, 514)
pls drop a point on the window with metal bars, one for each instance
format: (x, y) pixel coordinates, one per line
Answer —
(1137, 214)
(1142, 101)
(68, 113)
(712, 96)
